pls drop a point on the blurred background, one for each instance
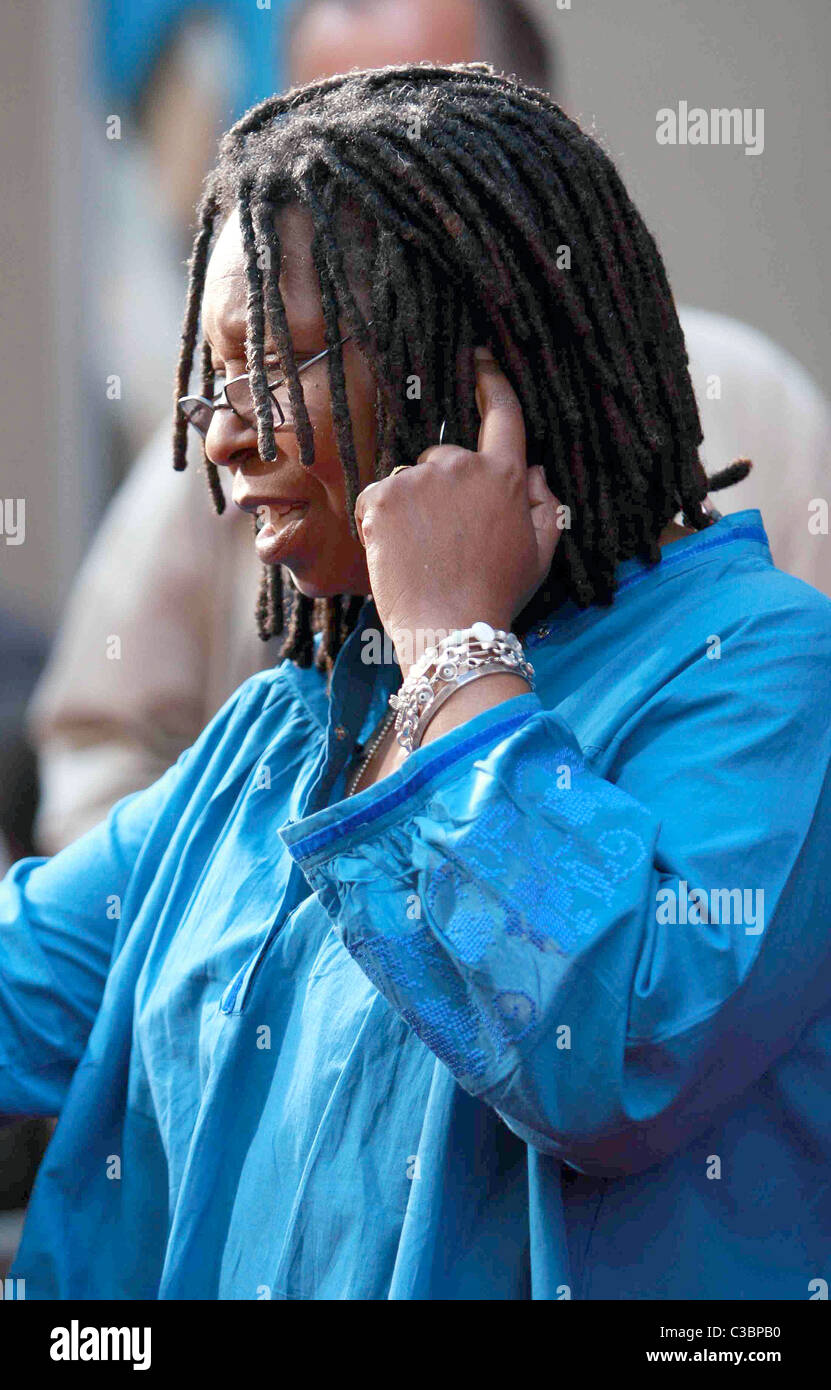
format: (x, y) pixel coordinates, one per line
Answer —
(111, 110)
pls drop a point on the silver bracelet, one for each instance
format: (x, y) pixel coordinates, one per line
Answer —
(441, 668)
(488, 668)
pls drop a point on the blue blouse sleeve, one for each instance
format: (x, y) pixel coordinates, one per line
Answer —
(63, 920)
(59, 919)
(606, 960)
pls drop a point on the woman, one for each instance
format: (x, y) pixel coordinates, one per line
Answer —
(528, 997)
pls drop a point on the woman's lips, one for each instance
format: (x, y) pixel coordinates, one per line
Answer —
(283, 521)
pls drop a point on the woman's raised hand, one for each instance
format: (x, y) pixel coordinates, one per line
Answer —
(467, 535)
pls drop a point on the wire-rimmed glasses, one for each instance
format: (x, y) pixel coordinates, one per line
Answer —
(236, 395)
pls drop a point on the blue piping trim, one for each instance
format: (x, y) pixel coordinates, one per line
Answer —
(739, 533)
(309, 845)
(748, 531)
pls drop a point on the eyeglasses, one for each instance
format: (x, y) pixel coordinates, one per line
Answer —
(236, 395)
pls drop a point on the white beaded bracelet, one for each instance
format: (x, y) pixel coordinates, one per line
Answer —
(459, 657)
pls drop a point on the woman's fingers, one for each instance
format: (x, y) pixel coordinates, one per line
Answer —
(541, 499)
(502, 431)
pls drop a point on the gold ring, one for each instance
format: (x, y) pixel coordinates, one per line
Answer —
(400, 468)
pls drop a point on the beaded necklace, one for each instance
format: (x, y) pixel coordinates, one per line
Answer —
(372, 746)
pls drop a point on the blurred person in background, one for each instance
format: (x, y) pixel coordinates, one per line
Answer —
(109, 726)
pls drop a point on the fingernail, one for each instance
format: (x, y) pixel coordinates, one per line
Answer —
(483, 354)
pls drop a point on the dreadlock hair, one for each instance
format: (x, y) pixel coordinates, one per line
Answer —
(484, 215)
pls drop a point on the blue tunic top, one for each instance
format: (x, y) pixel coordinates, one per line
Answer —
(544, 1014)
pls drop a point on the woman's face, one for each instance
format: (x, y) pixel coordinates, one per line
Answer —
(313, 541)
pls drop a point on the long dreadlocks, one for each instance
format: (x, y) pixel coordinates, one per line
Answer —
(489, 217)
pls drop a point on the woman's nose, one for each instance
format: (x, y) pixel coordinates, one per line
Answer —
(229, 439)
